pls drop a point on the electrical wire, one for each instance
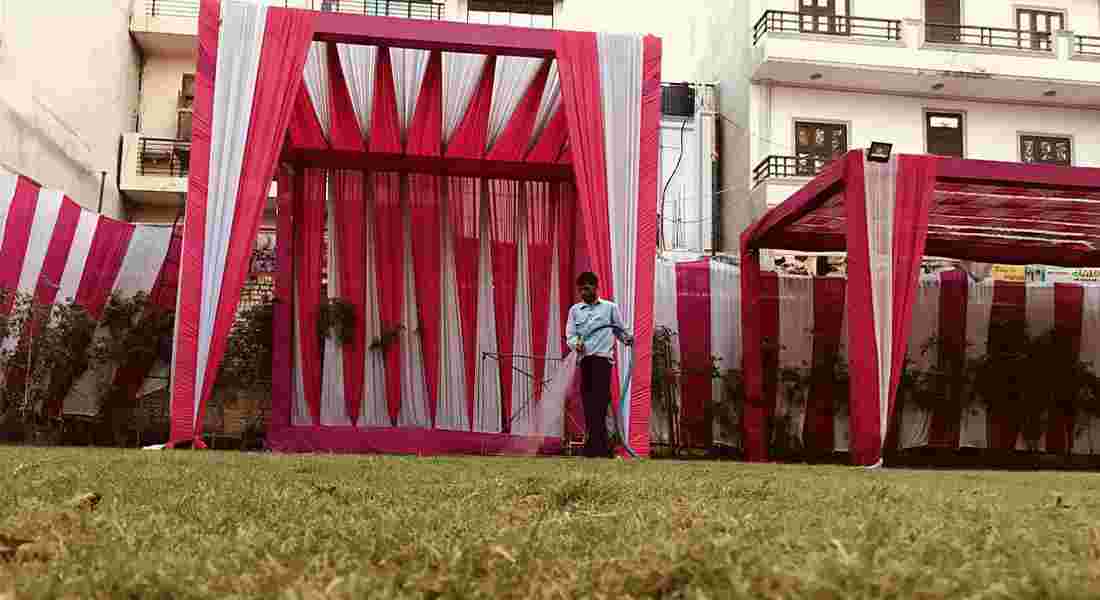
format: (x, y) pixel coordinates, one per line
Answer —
(664, 194)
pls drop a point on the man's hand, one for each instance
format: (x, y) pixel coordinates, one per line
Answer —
(580, 346)
(628, 340)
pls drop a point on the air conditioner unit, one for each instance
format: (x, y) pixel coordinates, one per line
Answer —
(678, 100)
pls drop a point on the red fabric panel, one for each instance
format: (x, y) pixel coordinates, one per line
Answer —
(389, 267)
(693, 312)
(551, 141)
(542, 224)
(286, 43)
(503, 216)
(828, 329)
(309, 231)
(17, 234)
(189, 303)
(345, 133)
(468, 140)
(915, 183)
(516, 137)
(1069, 301)
(57, 254)
(578, 64)
(109, 245)
(753, 416)
(463, 205)
(166, 288)
(426, 129)
(566, 155)
(282, 355)
(304, 129)
(649, 167)
(385, 129)
(351, 221)
(427, 257)
(1006, 317)
(944, 428)
(863, 403)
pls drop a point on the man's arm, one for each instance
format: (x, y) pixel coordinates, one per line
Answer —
(618, 328)
(571, 336)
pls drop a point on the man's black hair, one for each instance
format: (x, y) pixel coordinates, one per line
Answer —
(588, 278)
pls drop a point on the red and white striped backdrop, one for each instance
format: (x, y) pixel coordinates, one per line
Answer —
(699, 300)
(58, 251)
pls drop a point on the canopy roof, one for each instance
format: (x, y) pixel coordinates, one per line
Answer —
(986, 211)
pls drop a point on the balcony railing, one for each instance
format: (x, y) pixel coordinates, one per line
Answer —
(787, 166)
(163, 157)
(1088, 44)
(988, 37)
(413, 9)
(840, 25)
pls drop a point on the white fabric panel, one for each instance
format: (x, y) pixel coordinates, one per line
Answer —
(315, 74)
(487, 413)
(42, 229)
(1086, 429)
(974, 430)
(451, 411)
(461, 74)
(725, 332)
(664, 315)
(8, 182)
(374, 411)
(414, 391)
(78, 254)
(359, 64)
(1039, 310)
(550, 103)
(880, 190)
(334, 408)
(409, 67)
(513, 76)
(144, 257)
(301, 416)
(523, 421)
(239, 43)
(841, 424)
(547, 423)
(620, 58)
(915, 420)
(796, 347)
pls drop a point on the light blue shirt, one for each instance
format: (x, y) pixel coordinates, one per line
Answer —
(584, 321)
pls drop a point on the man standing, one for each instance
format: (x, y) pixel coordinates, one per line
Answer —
(592, 326)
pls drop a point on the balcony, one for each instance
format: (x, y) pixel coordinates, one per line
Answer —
(913, 57)
(784, 167)
(169, 27)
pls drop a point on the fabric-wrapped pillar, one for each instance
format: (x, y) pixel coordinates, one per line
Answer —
(753, 416)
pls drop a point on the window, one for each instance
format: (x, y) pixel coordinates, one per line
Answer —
(817, 144)
(944, 133)
(1046, 150)
(517, 13)
(1036, 27)
(820, 16)
(942, 19)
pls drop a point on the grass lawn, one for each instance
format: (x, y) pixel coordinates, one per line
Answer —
(202, 524)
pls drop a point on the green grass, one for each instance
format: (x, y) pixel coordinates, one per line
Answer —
(201, 524)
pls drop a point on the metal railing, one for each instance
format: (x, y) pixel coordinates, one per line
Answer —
(1088, 44)
(165, 157)
(988, 37)
(412, 9)
(787, 166)
(842, 25)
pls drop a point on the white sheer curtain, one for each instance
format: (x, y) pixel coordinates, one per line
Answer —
(461, 74)
(144, 257)
(414, 392)
(359, 64)
(409, 67)
(8, 181)
(523, 421)
(725, 333)
(487, 412)
(550, 103)
(1086, 434)
(880, 183)
(239, 43)
(513, 75)
(334, 409)
(315, 74)
(451, 411)
(916, 420)
(620, 58)
(552, 425)
(665, 297)
(974, 426)
(374, 412)
(796, 346)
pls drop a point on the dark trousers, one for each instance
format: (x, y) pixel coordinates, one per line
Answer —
(596, 394)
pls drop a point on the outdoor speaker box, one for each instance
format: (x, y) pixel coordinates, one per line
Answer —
(678, 100)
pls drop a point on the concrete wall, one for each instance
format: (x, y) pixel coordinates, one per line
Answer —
(990, 130)
(68, 90)
(161, 82)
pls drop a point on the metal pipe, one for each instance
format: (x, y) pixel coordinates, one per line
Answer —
(102, 184)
